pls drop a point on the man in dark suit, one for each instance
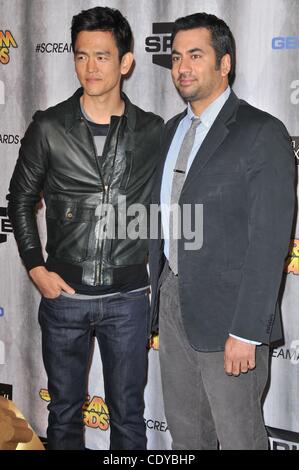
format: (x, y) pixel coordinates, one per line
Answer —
(217, 303)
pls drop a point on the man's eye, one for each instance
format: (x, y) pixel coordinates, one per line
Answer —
(195, 56)
(175, 58)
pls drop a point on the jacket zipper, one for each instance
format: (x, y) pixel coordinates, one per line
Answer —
(98, 268)
(107, 187)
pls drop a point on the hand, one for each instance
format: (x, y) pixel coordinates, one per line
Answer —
(49, 283)
(238, 356)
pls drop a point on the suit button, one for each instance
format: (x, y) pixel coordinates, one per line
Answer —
(69, 215)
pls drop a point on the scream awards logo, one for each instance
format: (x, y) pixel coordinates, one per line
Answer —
(156, 425)
(288, 354)
(5, 225)
(159, 44)
(9, 139)
(6, 41)
(53, 47)
(292, 261)
(95, 411)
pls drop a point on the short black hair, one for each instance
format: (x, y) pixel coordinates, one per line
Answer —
(104, 19)
(223, 41)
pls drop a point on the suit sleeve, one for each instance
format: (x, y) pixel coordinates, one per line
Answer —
(24, 193)
(271, 203)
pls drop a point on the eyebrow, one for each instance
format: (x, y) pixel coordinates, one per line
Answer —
(190, 51)
(106, 53)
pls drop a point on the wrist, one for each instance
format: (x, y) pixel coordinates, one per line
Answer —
(37, 270)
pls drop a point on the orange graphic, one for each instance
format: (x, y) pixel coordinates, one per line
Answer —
(6, 41)
(95, 411)
(96, 414)
(292, 261)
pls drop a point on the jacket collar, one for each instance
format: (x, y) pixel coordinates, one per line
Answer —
(214, 138)
(74, 114)
(216, 135)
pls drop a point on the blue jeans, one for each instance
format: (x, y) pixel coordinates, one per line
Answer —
(120, 324)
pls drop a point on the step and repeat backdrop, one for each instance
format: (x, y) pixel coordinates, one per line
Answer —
(37, 71)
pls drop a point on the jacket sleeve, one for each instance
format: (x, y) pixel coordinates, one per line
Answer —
(271, 203)
(24, 193)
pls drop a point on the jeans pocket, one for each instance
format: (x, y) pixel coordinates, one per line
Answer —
(134, 295)
(51, 298)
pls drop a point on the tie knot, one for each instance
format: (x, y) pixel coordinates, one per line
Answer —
(195, 122)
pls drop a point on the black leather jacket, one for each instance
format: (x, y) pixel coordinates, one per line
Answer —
(57, 157)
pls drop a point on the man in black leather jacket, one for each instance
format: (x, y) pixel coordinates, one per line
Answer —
(94, 151)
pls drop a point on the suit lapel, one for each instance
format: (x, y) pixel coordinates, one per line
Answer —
(214, 138)
(169, 133)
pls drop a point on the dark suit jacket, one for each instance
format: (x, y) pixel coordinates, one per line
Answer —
(244, 175)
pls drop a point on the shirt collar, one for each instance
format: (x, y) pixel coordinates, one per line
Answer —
(74, 112)
(211, 112)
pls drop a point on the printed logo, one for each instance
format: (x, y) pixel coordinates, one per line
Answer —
(96, 414)
(156, 425)
(285, 42)
(281, 439)
(5, 225)
(2, 92)
(280, 444)
(290, 354)
(159, 44)
(53, 47)
(6, 42)
(9, 139)
(95, 411)
(6, 391)
(154, 342)
(292, 261)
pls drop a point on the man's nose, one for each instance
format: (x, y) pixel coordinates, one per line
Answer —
(185, 65)
(92, 65)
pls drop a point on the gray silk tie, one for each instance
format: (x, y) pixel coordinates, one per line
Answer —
(179, 174)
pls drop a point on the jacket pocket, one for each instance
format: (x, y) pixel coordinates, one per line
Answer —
(68, 231)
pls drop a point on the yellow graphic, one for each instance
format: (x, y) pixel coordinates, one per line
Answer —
(292, 261)
(44, 394)
(6, 41)
(154, 342)
(95, 411)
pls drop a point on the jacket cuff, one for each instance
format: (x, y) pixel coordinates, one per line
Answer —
(33, 258)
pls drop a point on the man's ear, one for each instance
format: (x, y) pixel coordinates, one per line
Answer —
(126, 63)
(225, 65)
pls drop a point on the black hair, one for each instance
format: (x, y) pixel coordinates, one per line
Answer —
(104, 19)
(222, 38)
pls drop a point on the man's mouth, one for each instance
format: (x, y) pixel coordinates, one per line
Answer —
(186, 81)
